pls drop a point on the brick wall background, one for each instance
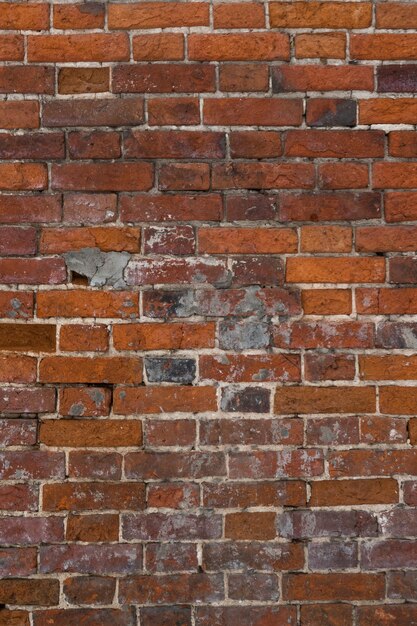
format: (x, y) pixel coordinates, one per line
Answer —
(208, 299)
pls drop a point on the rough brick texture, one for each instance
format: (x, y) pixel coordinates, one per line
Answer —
(208, 301)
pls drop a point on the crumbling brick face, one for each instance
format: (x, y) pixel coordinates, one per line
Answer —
(208, 305)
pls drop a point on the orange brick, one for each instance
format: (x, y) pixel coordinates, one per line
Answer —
(326, 301)
(320, 14)
(321, 46)
(239, 47)
(326, 239)
(160, 47)
(239, 15)
(247, 240)
(178, 336)
(64, 48)
(158, 15)
(84, 433)
(335, 270)
(58, 240)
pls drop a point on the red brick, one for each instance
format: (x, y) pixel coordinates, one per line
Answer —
(334, 144)
(287, 78)
(59, 240)
(239, 47)
(330, 207)
(320, 15)
(90, 208)
(172, 496)
(158, 15)
(63, 369)
(38, 592)
(246, 241)
(181, 588)
(228, 495)
(158, 47)
(163, 78)
(396, 15)
(335, 270)
(94, 145)
(74, 48)
(327, 301)
(325, 400)
(93, 528)
(161, 208)
(79, 16)
(141, 400)
(102, 176)
(15, 209)
(245, 615)
(383, 46)
(31, 16)
(96, 617)
(253, 111)
(388, 111)
(11, 48)
(177, 270)
(80, 303)
(89, 590)
(333, 586)
(83, 80)
(174, 145)
(326, 239)
(22, 80)
(166, 465)
(320, 45)
(319, 367)
(88, 402)
(84, 496)
(324, 334)
(343, 175)
(239, 15)
(173, 111)
(263, 176)
(77, 338)
(87, 112)
(396, 614)
(175, 336)
(244, 77)
(18, 432)
(184, 176)
(353, 492)
(84, 433)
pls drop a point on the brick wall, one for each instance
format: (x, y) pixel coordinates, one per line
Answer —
(208, 301)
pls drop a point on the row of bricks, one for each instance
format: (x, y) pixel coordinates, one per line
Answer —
(345, 206)
(166, 270)
(202, 588)
(304, 524)
(167, 304)
(311, 614)
(174, 78)
(253, 46)
(134, 176)
(76, 558)
(233, 335)
(143, 400)
(190, 145)
(182, 432)
(228, 368)
(86, 494)
(185, 465)
(177, 78)
(346, 15)
(186, 240)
